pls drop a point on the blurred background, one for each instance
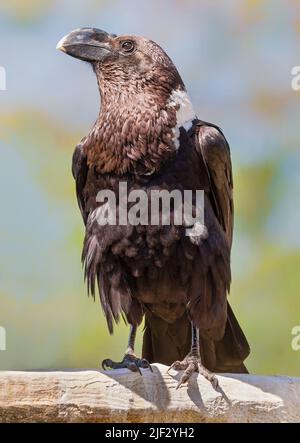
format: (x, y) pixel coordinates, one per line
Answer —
(236, 59)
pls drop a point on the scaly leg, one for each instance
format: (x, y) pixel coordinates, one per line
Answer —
(130, 361)
(192, 363)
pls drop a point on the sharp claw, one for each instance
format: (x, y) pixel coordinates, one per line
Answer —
(144, 363)
(181, 381)
(215, 382)
(178, 385)
(105, 364)
(185, 376)
(209, 376)
(173, 366)
(137, 367)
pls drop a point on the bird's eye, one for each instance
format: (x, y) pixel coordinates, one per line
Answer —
(128, 46)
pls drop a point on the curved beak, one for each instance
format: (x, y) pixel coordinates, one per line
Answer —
(88, 44)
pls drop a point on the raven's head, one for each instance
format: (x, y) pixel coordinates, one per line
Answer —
(128, 62)
(144, 103)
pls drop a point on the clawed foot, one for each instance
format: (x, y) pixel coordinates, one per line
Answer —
(193, 364)
(130, 361)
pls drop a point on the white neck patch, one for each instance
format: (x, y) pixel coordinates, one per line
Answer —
(184, 115)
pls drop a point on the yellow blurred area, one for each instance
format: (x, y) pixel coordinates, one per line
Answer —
(25, 10)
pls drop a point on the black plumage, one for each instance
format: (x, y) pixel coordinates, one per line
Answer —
(141, 138)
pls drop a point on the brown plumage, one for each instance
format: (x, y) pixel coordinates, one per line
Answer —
(156, 271)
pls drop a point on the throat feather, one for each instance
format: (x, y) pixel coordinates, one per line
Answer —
(134, 137)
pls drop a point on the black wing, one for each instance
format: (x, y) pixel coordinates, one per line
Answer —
(212, 276)
(215, 152)
(80, 171)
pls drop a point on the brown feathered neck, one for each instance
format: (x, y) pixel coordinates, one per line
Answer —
(134, 132)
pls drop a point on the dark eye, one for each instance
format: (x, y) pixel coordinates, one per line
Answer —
(128, 46)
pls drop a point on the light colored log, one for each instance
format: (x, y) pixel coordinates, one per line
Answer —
(123, 396)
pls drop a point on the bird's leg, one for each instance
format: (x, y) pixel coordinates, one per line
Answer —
(192, 363)
(130, 361)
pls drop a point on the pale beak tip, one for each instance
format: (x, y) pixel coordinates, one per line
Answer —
(61, 48)
(60, 45)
